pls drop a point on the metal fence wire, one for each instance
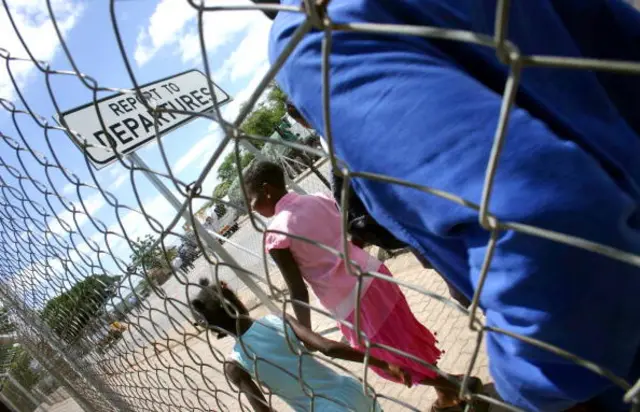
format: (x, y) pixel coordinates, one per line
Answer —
(49, 245)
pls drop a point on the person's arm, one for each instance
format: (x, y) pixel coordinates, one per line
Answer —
(343, 351)
(245, 384)
(297, 288)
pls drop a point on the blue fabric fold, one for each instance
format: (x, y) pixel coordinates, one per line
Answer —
(426, 111)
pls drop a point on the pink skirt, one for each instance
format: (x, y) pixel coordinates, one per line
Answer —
(400, 330)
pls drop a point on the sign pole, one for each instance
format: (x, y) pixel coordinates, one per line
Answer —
(208, 239)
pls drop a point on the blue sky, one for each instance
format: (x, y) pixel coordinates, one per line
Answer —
(161, 39)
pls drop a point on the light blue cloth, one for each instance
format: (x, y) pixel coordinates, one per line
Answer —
(268, 357)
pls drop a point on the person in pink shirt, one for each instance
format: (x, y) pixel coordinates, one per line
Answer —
(385, 316)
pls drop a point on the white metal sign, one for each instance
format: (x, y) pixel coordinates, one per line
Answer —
(129, 124)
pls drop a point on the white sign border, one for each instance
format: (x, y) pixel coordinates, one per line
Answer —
(59, 118)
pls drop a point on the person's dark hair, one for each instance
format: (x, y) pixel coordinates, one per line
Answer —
(270, 14)
(263, 172)
(296, 115)
(293, 112)
(210, 310)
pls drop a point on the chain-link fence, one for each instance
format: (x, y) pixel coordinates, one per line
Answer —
(101, 310)
(26, 383)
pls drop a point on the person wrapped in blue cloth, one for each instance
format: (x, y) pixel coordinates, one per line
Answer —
(425, 111)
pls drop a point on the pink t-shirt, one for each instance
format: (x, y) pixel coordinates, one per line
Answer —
(317, 217)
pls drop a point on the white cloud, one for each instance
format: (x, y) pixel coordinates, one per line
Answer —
(84, 249)
(173, 23)
(68, 189)
(231, 110)
(32, 19)
(135, 224)
(190, 48)
(118, 182)
(98, 239)
(93, 203)
(160, 209)
(221, 27)
(144, 50)
(43, 278)
(205, 157)
(200, 150)
(113, 240)
(95, 241)
(114, 176)
(28, 280)
(114, 170)
(166, 22)
(249, 55)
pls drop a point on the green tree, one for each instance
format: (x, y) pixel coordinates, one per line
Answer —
(151, 257)
(222, 189)
(228, 171)
(277, 96)
(264, 119)
(21, 369)
(227, 168)
(68, 313)
(235, 194)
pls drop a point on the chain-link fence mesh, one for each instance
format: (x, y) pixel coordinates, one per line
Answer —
(105, 313)
(26, 383)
